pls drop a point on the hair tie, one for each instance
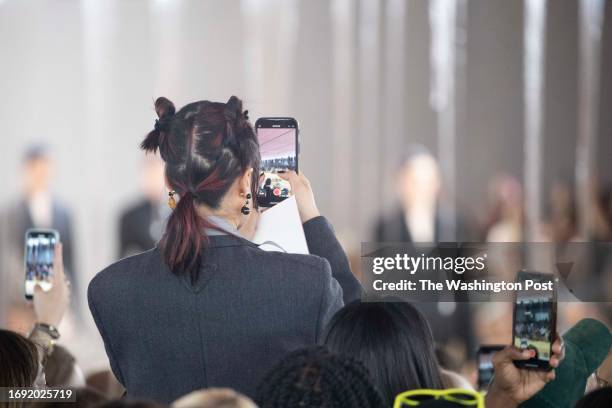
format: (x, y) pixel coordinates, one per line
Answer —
(162, 124)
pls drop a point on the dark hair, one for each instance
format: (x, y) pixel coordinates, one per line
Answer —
(206, 146)
(315, 377)
(18, 359)
(394, 342)
(600, 398)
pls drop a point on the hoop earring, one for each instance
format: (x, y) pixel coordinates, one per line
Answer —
(245, 208)
(171, 199)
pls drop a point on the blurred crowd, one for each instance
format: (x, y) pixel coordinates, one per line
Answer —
(419, 216)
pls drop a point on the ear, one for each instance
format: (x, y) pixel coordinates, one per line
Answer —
(245, 181)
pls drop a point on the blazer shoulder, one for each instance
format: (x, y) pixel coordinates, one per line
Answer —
(311, 266)
(130, 265)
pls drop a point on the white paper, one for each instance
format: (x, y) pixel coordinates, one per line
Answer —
(280, 227)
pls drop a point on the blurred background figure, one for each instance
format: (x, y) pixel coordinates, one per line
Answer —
(563, 220)
(37, 207)
(141, 224)
(419, 219)
(418, 186)
(605, 203)
(504, 222)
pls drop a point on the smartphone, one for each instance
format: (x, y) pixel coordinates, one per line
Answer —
(39, 257)
(484, 358)
(535, 318)
(278, 145)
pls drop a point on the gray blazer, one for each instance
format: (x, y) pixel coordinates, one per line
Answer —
(165, 336)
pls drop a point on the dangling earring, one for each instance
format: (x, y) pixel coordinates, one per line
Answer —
(171, 199)
(245, 208)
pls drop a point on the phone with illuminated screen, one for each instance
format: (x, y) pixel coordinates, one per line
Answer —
(39, 259)
(279, 147)
(535, 318)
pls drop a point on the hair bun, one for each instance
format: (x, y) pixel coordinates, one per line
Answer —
(233, 109)
(164, 108)
(155, 139)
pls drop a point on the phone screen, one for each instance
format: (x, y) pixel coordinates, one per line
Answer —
(278, 148)
(535, 311)
(39, 257)
(485, 365)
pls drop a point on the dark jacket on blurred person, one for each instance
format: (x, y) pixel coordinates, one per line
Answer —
(166, 336)
(140, 227)
(450, 323)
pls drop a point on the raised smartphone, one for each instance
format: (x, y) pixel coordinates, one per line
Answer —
(278, 145)
(535, 318)
(39, 258)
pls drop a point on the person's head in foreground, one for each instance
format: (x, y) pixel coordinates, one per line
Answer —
(214, 398)
(600, 398)
(316, 377)
(394, 342)
(19, 366)
(211, 160)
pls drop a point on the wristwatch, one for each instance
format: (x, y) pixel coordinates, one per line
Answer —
(47, 328)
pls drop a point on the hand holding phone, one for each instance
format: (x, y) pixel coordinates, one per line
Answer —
(516, 385)
(535, 319)
(45, 282)
(51, 305)
(301, 189)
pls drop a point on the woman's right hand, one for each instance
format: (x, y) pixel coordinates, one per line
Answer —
(300, 188)
(51, 306)
(511, 385)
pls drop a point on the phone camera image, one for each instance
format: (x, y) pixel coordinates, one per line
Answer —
(535, 315)
(278, 148)
(40, 253)
(533, 326)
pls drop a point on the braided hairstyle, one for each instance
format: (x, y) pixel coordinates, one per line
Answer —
(206, 146)
(315, 377)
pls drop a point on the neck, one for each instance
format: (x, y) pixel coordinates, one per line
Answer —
(204, 211)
